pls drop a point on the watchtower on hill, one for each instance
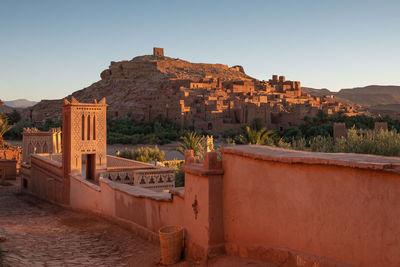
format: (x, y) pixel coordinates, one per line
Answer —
(158, 52)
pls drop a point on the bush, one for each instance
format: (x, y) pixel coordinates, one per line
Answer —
(179, 178)
(299, 144)
(386, 143)
(144, 154)
(321, 144)
(289, 134)
(282, 144)
(230, 134)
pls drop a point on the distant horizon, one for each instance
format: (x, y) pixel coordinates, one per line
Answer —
(51, 50)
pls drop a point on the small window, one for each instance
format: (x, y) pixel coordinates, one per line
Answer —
(83, 127)
(94, 127)
(88, 128)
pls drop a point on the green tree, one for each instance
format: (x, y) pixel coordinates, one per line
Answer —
(14, 117)
(254, 137)
(4, 127)
(192, 141)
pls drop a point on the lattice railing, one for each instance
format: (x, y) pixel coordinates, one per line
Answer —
(123, 177)
(155, 179)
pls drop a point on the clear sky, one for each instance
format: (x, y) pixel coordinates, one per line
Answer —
(49, 49)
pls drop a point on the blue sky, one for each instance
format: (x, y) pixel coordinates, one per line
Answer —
(49, 49)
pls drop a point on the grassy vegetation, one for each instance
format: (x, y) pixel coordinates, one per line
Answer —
(315, 134)
(322, 125)
(144, 154)
(386, 143)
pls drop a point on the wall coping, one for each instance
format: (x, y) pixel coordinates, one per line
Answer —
(178, 191)
(199, 170)
(43, 157)
(362, 161)
(128, 168)
(8, 160)
(138, 191)
(86, 182)
(133, 163)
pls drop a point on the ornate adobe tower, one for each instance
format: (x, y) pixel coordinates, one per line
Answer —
(84, 140)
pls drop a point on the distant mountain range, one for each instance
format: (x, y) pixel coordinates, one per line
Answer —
(378, 98)
(20, 103)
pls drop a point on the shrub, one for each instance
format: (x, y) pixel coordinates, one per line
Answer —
(289, 134)
(179, 178)
(321, 144)
(381, 142)
(144, 154)
(282, 144)
(299, 144)
(230, 134)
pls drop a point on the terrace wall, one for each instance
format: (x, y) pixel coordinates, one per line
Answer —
(284, 207)
(311, 209)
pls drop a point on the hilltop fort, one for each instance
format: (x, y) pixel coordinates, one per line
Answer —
(211, 97)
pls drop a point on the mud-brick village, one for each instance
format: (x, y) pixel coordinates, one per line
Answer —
(117, 148)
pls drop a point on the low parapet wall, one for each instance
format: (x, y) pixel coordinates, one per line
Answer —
(284, 207)
(43, 178)
(8, 169)
(13, 153)
(311, 209)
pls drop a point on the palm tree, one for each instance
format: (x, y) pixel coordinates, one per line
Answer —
(4, 127)
(192, 141)
(254, 137)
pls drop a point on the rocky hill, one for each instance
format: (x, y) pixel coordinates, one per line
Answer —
(123, 82)
(375, 97)
(132, 84)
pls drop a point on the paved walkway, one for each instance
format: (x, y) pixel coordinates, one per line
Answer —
(41, 234)
(38, 233)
